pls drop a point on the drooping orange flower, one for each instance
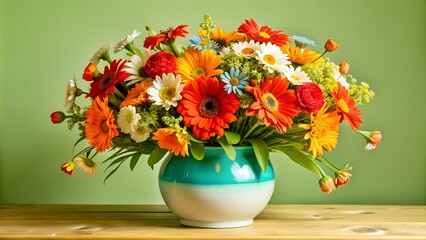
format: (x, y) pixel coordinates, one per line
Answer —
(301, 55)
(137, 95)
(323, 131)
(346, 107)
(206, 107)
(275, 104)
(342, 178)
(221, 37)
(327, 184)
(263, 34)
(173, 140)
(196, 63)
(100, 128)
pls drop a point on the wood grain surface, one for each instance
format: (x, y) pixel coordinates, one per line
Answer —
(157, 222)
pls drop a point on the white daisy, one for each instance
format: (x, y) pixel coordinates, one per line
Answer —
(128, 119)
(136, 67)
(98, 55)
(70, 93)
(246, 49)
(296, 76)
(141, 133)
(273, 59)
(226, 51)
(339, 77)
(86, 165)
(128, 39)
(165, 91)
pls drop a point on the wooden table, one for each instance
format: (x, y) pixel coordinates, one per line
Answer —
(157, 222)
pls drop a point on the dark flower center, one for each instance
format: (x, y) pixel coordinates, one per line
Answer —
(106, 80)
(209, 107)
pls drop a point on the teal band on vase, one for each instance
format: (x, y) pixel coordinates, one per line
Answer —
(217, 168)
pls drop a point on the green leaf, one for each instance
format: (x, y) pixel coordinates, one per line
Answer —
(229, 149)
(300, 158)
(261, 151)
(197, 150)
(134, 160)
(192, 138)
(232, 137)
(156, 155)
(112, 172)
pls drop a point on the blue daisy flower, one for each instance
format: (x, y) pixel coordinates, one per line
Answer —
(200, 44)
(302, 42)
(235, 81)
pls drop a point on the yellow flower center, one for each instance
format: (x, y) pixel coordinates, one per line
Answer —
(269, 102)
(203, 43)
(264, 35)
(234, 81)
(247, 51)
(295, 77)
(341, 104)
(197, 72)
(167, 93)
(268, 58)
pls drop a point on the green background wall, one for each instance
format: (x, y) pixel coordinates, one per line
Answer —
(44, 43)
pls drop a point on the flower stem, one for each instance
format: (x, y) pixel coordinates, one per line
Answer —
(250, 131)
(320, 56)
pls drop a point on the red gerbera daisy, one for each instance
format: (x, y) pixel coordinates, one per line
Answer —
(179, 31)
(153, 41)
(206, 107)
(346, 107)
(275, 104)
(263, 34)
(105, 82)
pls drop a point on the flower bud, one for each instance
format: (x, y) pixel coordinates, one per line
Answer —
(327, 184)
(331, 45)
(373, 138)
(68, 168)
(90, 72)
(57, 117)
(344, 68)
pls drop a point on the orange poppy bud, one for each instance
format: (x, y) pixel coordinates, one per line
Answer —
(344, 68)
(331, 45)
(327, 184)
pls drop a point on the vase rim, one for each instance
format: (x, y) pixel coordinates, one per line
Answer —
(237, 147)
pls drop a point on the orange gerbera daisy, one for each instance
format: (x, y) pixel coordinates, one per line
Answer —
(263, 34)
(173, 140)
(275, 104)
(221, 37)
(100, 127)
(346, 107)
(137, 95)
(301, 55)
(322, 131)
(207, 108)
(196, 63)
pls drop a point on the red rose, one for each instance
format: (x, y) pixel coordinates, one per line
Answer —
(309, 97)
(159, 63)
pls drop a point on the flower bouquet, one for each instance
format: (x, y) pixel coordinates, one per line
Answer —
(253, 86)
